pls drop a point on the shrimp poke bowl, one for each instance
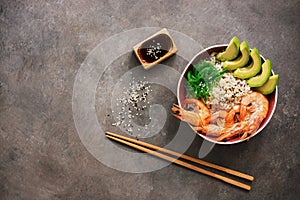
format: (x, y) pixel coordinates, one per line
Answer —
(227, 93)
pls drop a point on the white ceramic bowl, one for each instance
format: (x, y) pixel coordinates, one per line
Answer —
(181, 92)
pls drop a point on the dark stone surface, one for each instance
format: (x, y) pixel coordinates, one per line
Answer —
(42, 45)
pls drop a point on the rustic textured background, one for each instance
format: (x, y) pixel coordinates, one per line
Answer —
(43, 43)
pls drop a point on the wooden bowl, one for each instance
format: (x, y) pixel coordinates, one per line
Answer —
(163, 46)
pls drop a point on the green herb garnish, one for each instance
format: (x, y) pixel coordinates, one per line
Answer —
(201, 79)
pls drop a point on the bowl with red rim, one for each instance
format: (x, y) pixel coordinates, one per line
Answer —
(181, 93)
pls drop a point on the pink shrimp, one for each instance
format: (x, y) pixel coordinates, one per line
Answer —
(199, 116)
(253, 110)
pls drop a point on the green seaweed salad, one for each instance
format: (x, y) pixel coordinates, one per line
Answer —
(201, 79)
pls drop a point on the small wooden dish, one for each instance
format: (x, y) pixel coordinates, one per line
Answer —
(155, 48)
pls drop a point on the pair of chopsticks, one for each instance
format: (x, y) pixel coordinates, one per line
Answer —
(155, 151)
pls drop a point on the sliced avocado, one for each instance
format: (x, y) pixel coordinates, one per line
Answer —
(232, 50)
(262, 78)
(240, 61)
(269, 86)
(252, 69)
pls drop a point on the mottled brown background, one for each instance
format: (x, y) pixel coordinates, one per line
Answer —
(43, 43)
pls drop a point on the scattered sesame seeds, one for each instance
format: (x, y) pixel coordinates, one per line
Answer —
(153, 50)
(132, 103)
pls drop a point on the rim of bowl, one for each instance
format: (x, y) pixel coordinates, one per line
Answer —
(207, 138)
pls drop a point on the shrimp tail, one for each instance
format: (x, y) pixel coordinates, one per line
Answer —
(177, 111)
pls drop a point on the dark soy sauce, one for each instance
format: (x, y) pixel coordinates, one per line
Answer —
(155, 48)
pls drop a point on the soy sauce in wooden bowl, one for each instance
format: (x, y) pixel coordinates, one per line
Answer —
(155, 48)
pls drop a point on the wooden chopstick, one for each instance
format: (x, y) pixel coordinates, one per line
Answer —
(186, 157)
(136, 144)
